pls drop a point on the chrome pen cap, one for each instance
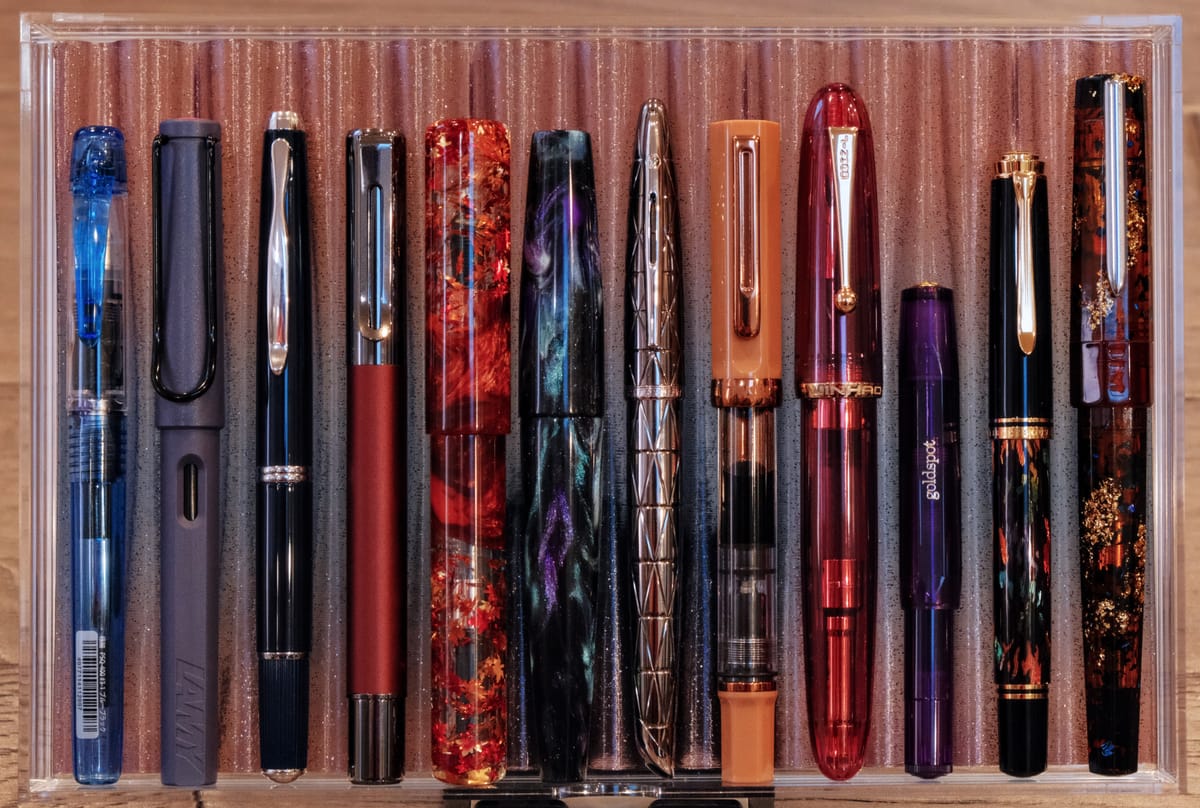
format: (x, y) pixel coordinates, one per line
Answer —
(375, 186)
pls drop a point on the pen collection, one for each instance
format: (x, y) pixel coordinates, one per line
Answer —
(609, 589)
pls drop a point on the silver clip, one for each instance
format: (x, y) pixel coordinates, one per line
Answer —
(278, 242)
(1024, 184)
(372, 211)
(1115, 182)
(746, 304)
(843, 144)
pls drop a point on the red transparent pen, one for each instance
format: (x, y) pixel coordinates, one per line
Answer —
(839, 376)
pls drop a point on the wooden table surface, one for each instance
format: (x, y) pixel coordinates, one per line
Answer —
(548, 12)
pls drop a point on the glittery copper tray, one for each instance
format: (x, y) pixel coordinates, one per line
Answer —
(944, 104)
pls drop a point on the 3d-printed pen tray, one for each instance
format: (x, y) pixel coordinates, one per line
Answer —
(944, 103)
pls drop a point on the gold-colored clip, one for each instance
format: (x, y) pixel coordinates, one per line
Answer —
(843, 145)
(278, 242)
(747, 307)
(373, 216)
(1115, 182)
(1023, 169)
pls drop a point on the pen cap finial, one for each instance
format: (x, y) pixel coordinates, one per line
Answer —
(1111, 301)
(747, 320)
(837, 287)
(97, 176)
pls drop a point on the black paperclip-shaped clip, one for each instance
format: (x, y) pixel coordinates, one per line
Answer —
(210, 280)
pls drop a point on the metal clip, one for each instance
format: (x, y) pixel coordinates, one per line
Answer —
(1024, 183)
(1115, 183)
(210, 278)
(373, 221)
(746, 305)
(278, 244)
(843, 145)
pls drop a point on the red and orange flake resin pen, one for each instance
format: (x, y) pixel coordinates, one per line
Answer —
(467, 416)
(839, 376)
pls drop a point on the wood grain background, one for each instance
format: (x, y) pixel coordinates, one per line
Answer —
(548, 12)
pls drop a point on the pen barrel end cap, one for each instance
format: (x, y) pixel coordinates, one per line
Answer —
(283, 716)
(1112, 721)
(1023, 729)
(376, 739)
(747, 737)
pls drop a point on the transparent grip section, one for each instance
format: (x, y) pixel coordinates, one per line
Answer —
(746, 545)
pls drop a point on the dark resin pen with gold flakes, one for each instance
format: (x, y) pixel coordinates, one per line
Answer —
(1110, 385)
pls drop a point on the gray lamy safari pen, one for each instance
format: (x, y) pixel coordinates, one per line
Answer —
(189, 413)
(654, 362)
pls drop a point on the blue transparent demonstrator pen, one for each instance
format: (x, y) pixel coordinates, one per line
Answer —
(96, 410)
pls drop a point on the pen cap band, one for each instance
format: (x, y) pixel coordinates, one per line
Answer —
(837, 256)
(747, 322)
(1111, 301)
(186, 351)
(562, 337)
(467, 272)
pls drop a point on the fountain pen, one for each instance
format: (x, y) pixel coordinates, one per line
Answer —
(653, 363)
(839, 377)
(1020, 409)
(375, 396)
(747, 364)
(188, 374)
(1111, 350)
(284, 498)
(561, 400)
(96, 405)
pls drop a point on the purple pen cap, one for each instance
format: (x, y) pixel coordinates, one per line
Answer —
(930, 540)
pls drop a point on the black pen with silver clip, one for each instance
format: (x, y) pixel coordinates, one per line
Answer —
(654, 362)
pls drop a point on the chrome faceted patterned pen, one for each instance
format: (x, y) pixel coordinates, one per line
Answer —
(653, 361)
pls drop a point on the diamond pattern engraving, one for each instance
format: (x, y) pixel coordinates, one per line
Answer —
(654, 689)
(654, 528)
(656, 483)
(655, 428)
(655, 589)
(653, 370)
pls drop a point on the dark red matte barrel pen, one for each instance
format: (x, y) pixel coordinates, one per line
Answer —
(375, 453)
(839, 376)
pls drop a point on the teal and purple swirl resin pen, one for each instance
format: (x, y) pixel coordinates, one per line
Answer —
(561, 395)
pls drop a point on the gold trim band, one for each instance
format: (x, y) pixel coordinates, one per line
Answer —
(841, 390)
(746, 687)
(1041, 695)
(1021, 421)
(746, 392)
(1021, 433)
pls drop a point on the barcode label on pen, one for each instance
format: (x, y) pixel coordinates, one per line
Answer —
(87, 684)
